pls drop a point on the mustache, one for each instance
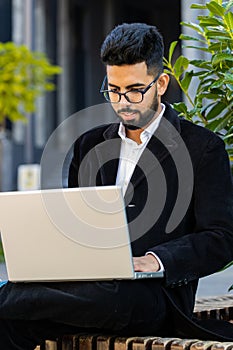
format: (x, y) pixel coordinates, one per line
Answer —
(128, 110)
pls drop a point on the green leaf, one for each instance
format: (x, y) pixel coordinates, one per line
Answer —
(185, 82)
(180, 65)
(230, 87)
(180, 107)
(216, 110)
(171, 50)
(217, 84)
(202, 74)
(215, 8)
(229, 20)
(204, 108)
(227, 266)
(188, 37)
(221, 57)
(226, 138)
(198, 6)
(221, 123)
(213, 124)
(194, 26)
(228, 5)
(218, 46)
(217, 35)
(210, 21)
(230, 288)
(201, 64)
(167, 71)
(2, 259)
(209, 95)
(201, 48)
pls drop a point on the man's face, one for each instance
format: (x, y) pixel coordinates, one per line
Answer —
(130, 77)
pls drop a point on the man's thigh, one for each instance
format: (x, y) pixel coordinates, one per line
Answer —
(113, 305)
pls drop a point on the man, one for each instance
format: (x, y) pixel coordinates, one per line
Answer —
(176, 181)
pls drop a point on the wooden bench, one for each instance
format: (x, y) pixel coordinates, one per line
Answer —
(220, 307)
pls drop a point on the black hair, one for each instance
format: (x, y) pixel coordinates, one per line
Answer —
(131, 43)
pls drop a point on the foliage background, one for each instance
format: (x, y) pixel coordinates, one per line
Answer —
(210, 99)
(24, 75)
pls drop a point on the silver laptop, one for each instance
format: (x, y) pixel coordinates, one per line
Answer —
(67, 234)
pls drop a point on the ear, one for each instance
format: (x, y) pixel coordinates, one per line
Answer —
(162, 83)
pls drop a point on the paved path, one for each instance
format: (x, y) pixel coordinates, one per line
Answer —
(213, 285)
(3, 273)
(216, 284)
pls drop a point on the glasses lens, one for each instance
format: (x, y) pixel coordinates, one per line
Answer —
(112, 96)
(115, 97)
(134, 96)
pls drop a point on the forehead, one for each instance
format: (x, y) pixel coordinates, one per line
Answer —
(127, 74)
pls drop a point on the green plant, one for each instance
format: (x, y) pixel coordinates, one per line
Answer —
(211, 104)
(24, 75)
(1, 253)
(226, 267)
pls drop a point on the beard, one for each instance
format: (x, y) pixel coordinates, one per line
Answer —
(144, 118)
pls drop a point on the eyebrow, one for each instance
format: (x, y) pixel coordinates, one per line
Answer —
(128, 86)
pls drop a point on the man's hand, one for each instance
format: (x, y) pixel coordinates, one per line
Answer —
(146, 263)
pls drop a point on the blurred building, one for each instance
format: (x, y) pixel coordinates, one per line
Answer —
(70, 32)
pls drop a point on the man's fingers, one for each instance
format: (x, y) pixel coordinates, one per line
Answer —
(146, 263)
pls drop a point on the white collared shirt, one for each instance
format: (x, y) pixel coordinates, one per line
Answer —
(129, 156)
(131, 152)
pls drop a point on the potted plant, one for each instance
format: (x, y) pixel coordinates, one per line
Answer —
(211, 102)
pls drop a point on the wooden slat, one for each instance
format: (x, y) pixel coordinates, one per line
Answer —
(105, 342)
(143, 343)
(87, 342)
(123, 343)
(51, 345)
(222, 346)
(163, 343)
(202, 345)
(183, 344)
(67, 342)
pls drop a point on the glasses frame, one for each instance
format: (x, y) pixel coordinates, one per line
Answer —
(103, 91)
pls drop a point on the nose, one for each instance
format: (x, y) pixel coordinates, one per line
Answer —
(124, 101)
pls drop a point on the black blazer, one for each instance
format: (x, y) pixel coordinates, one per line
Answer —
(179, 203)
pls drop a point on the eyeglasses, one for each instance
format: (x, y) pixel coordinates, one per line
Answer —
(132, 96)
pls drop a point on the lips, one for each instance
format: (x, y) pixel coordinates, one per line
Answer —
(128, 115)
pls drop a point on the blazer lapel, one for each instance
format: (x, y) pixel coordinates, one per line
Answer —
(162, 144)
(108, 155)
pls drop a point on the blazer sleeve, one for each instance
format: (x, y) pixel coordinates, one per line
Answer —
(210, 246)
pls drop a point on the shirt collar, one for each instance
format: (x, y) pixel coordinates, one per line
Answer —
(150, 130)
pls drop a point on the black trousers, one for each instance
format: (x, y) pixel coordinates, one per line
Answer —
(33, 312)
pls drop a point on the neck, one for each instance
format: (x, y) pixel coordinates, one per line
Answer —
(134, 134)
(157, 113)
